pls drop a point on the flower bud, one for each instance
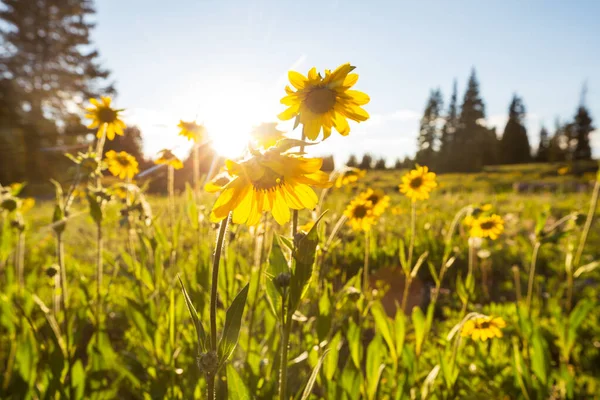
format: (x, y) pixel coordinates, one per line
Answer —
(52, 270)
(282, 280)
(208, 362)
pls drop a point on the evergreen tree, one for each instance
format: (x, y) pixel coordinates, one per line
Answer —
(429, 131)
(448, 130)
(399, 164)
(380, 164)
(472, 137)
(366, 162)
(580, 131)
(352, 161)
(543, 149)
(558, 149)
(48, 56)
(514, 145)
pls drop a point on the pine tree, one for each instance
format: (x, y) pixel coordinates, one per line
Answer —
(448, 131)
(352, 161)
(380, 164)
(472, 137)
(543, 150)
(366, 162)
(49, 57)
(514, 145)
(558, 149)
(399, 164)
(429, 131)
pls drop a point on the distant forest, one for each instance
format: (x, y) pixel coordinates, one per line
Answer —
(447, 135)
(49, 68)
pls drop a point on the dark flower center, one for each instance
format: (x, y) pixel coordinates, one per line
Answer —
(487, 225)
(416, 183)
(106, 115)
(320, 100)
(360, 211)
(373, 199)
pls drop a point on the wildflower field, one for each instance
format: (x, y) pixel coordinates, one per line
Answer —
(275, 279)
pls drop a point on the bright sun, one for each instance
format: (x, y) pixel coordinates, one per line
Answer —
(231, 109)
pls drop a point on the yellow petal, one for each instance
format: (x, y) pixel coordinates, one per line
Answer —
(312, 128)
(281, 211)
(242, 210)
(359, 98)
(341, 124)
(289, 113)
(297, 79)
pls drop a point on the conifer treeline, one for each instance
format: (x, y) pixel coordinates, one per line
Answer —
(457, 139)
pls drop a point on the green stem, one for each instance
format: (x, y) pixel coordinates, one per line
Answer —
(588, 223)
(213, 301)
(99, 276)
(285, 342)
(534, 257)
(171, 190)
(60, 258)
(366, 263)
(259, 248)
(20, 260)
(295, 213)
(413, 222)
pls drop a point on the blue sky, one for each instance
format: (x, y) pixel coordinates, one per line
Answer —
(225, 62)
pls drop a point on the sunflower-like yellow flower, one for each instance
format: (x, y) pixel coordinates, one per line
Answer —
(418, 183)
(483, 328)
(379, 200)
(349, 176)
(103, 116)
(167, 157)
(267, 135)
(191, 130)
(270, 181)
(324, 102)
(217, 183)
(360, 214)
(122, 164)
(487, 226)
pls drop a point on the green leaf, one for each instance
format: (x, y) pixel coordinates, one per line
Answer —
(586, 268)
(78, 379)
(576, 318)
(383, 327)
(95, 208)
(325, 317)
(520, 370)
(400, 330)
(354, 343)
(200, 333)
(231, 329)
(429, 381)
(540, 359)
(313, 377)
(236, 389)
(419, 324)
(374, 366)
(330, 365)
(402, 256)
(304, 254)
(278, 263)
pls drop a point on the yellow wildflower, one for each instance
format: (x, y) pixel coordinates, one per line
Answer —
(122, 164)
(348, 176)
(191, 131)
(360, 214)
(486, 226)
(103, 116)
(417, 183)
(324, 102)
(167, 157)
(379, 200)
(269, 181)
(483, 328)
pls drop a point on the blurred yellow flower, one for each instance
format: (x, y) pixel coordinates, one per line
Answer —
(348, 176)
(267, 135)
(360, 214)
(191, 130)
(122, 164)
(217, 183)
(379, 200)
(167, 157)
(397, 210)
(269, 181)
(563, 170)
(104, 116)
(324, 102)
(27, 204)
(483, 328)
(486, 226)
(307, 226)
(417, 183)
